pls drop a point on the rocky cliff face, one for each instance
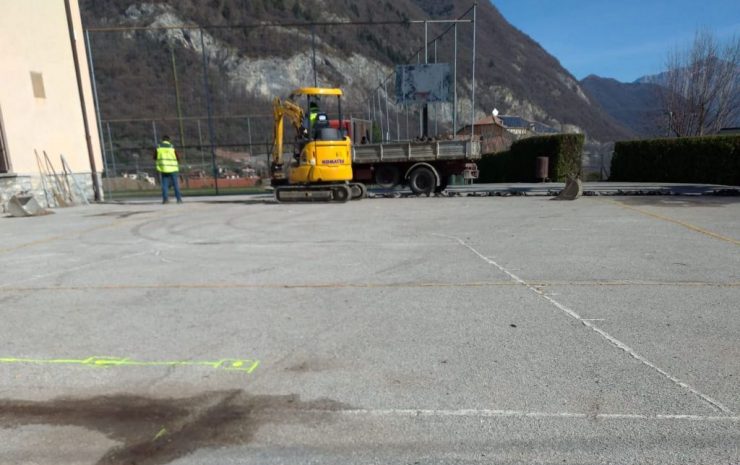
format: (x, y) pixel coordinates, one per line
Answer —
(249, 66)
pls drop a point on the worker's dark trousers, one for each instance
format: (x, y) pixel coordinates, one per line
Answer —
(168, 178)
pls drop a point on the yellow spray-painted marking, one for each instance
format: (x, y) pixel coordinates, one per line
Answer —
(161, 433)
(678, 222)
(233, 364)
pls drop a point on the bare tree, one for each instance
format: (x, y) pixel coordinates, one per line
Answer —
(702, 86)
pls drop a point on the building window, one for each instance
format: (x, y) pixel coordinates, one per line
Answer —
(4, 159)
(37, 81)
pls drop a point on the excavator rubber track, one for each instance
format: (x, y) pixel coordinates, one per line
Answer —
(338, 193)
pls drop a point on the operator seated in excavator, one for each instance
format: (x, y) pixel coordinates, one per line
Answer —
(313, 113)
(316, 124)
(322, 129)
(307, 127)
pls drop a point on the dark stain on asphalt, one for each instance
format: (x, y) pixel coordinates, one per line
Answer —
(312, 365)
(121, 215)
(158, 431)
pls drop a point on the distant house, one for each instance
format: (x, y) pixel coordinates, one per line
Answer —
(524, 128)
(516, 125)
(543, 129)
(727, 131)
(493, 135)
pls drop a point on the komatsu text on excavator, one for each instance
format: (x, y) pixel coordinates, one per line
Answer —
(320, 168)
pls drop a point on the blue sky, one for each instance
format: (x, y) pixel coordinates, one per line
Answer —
(623, 39)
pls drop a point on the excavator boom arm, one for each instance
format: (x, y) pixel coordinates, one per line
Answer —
(281, 109)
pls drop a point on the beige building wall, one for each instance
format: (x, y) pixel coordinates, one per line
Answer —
(34, 38)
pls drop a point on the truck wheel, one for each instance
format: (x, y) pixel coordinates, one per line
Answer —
(387, 176)
(422, 181)
(341, 194)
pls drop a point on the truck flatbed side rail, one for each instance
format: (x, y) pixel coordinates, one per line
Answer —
(416, 151)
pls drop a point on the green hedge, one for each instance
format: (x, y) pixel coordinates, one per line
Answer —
(710, 160)
(518, 163)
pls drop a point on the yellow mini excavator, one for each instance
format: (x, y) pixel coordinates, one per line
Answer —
(321, 165)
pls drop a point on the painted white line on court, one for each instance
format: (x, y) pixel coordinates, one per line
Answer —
(614, 341)
(486, 413)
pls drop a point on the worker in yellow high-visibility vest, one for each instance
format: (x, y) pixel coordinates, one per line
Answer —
(313, 113)
(166, 161)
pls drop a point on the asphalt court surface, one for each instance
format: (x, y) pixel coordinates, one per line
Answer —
(411, 330)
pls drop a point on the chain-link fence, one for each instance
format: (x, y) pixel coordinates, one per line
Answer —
(210, 89)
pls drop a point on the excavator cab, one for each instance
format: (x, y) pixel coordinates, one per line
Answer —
(322, 165)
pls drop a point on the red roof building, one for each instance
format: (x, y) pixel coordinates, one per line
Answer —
(493, 134)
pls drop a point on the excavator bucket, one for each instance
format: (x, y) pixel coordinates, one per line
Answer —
(24, 205)
(573, 189)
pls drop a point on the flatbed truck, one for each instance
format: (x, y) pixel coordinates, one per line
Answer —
(425, 167)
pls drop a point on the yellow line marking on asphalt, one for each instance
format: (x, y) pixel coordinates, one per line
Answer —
(678, 222)
(232, 364)
(197, 286)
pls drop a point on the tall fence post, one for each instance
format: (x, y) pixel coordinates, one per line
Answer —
(313, 48)
(97, 105)
(178, 103)
(380, 114)
(434, 105)
(454, 87)
(472, 106)
(207, 91)
(421, 117)
(387, 114)
(249, 132)
(425, 108)
(408, 136)
(398, 124)
(105, 165)
(110, 150)
(154, 133)
(200, 146)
